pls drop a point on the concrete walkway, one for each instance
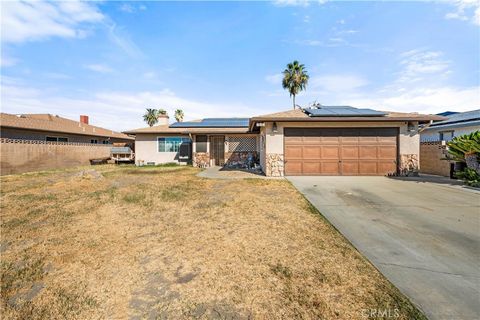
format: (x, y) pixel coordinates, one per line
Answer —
(229, 174)
(423, 236)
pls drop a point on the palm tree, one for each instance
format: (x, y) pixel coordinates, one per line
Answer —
(295, 79)
(151, 116)
(179, 115)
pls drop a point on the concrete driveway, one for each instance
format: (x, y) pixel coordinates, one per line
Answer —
(423, 236)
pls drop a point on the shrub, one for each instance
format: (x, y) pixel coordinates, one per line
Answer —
(470, 176)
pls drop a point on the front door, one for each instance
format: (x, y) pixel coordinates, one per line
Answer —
(217, 150)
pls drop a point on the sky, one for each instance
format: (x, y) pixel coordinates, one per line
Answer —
(111, 60)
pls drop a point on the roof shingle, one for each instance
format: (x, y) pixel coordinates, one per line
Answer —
(51, 123)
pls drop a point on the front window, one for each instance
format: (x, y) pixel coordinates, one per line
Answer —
(201, 143)
(446, 135)
(56, 139)
(171, 144)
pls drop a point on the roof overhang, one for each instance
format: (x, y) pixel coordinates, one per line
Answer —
(420, 119)
(60, 131)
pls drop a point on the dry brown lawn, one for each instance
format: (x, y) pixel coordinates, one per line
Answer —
(162, 243)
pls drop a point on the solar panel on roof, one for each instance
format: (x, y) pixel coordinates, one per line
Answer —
(342, 111)
(213, 123)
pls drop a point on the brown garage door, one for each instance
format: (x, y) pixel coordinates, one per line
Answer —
(340, 151)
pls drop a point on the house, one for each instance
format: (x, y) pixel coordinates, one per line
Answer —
(433, 138)
(32, 142)
(205, 142)
(53, 128)
(324, 140)
(457, 124)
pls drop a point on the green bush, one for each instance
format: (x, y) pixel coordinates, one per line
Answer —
(470, 176)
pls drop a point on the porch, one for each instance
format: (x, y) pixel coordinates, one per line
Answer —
(237, 151)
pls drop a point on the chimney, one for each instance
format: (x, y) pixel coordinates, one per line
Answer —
(84, 119)
(163, 120)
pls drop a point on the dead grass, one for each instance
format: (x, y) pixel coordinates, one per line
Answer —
(159, 242)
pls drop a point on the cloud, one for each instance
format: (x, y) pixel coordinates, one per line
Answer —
(466, 10)
(58, 76)
(100, 68)
(7, 61)
(424, 100)
(126, 7)
(112, 109)
(23, 21)
(296, 3)
(338, 83)
(420, 64)
(130, 8)
(274, 78)
(150, 75)
(119, 37)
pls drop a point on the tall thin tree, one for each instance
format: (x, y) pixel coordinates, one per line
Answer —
(151, 116)
(295, 79)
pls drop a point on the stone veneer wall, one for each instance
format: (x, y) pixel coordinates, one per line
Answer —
(274, 165)
(409, 165)
(240, 158)
(201, 159)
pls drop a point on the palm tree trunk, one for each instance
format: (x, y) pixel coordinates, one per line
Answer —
(293, 102)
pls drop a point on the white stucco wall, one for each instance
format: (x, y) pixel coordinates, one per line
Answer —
(146, 149)
(409, 142)
(432, 134)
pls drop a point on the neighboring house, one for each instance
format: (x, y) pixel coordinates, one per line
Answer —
(433, 137)
(325, 140)
(51, 128)
(457, 124)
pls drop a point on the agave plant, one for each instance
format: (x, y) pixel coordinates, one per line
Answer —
(466, 148)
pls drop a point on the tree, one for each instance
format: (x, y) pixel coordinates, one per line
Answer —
(295, 79)
(151, 116)
(179, 115)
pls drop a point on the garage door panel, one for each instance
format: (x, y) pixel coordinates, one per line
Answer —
(330, 152)
(311, 167)
(293, 152)
(349, 152)
(367, 152)
(293, 167)
(311, 152)
(367, 167)
(311, 140)
(387, 140)
(387, 152)
(295, 140)
(367, 140)
(340, 151)
(330, 168)
(349, 168)
(387, 167)
(330, 140)
(349, 140)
